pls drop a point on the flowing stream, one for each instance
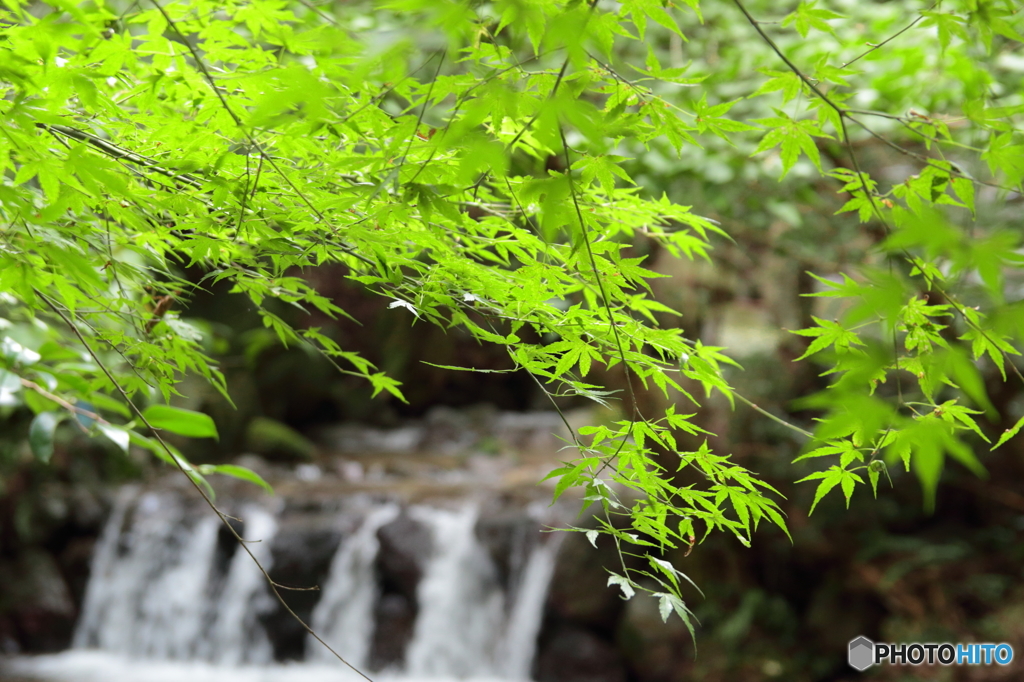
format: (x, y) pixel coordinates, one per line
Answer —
(171, 597)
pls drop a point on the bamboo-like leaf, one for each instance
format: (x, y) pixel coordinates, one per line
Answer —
(182, 422)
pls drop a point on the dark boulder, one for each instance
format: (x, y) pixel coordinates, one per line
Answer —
(300, 557)
(405, 546)
(575, 654)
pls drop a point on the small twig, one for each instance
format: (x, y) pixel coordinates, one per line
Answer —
(606, 301)
(63, 403)
(319, 12)
(875, 46)
(419, 120)
(526, 126)
(120, 154)
(774, 418)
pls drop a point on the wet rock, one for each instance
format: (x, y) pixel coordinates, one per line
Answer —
(395, 617)
(530, 431)
(37, 602)
(354, 439)
(451, 431)
(574, 654)
(405, 546)
(300, 557)
(76, 564)
(508, 537)
(579, 591)
(656, 650)
(581, 615)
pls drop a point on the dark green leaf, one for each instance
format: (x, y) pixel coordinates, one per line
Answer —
(181, 422)
(40, 434)
(238, 472)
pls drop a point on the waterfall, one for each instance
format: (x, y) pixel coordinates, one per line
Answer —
(148, 592)
(344, 615)
(520, 641)
(94, 604)
(235, 636)
(154, 589)
(171, 588)
(460, 601)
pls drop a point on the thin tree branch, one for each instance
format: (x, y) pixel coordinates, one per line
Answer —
(63, 403)
(204, 70)
(843, 115)
(188, 471)
(120, 154)
(774, 418)
(888, 40)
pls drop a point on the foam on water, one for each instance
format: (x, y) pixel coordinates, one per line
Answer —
(101, 666)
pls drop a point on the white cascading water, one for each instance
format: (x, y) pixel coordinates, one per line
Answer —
(344, 615)
(235, 635)
(520, 642)
(146, 597)
(150, 594)
(461, 603)
(158, 601)
(94, 616)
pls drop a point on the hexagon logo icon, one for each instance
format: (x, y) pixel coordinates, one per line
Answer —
(862, 653)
